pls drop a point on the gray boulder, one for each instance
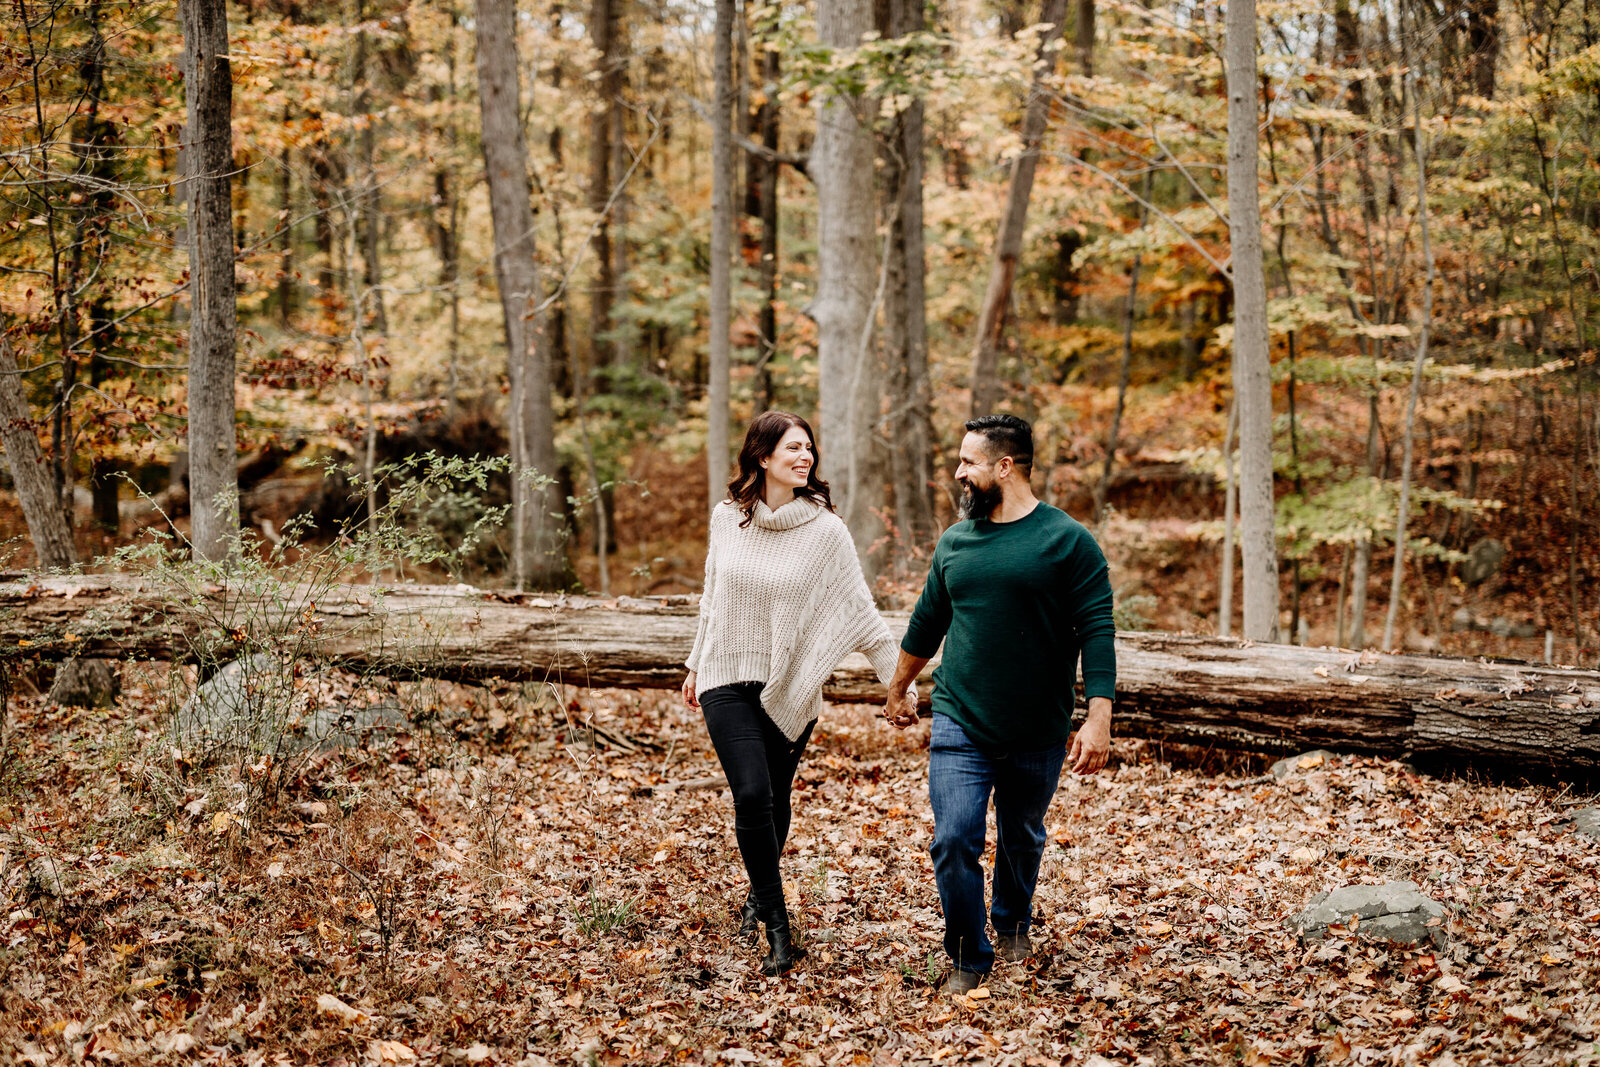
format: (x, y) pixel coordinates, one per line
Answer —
(1317, 757)
(253, 705)
(1587, 821)
(1394, 911)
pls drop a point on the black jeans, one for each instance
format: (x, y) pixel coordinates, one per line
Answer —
(760, 763)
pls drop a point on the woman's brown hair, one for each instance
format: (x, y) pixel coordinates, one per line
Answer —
(760, 441)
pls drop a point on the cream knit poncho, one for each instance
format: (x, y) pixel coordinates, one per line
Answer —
(784, 602)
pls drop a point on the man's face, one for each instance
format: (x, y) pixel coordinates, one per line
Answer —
(980, 485)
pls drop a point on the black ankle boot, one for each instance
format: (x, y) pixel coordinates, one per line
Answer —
(749, 915)
(784, 952)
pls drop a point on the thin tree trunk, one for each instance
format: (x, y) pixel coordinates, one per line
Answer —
(208, 136)
(767, 116)
(537, 508)
(905, 309)
(722, 177)
(446, 188)
(1085, 37)
(30, 473)
(1252, 362)
(1013, 220)
(86, 682)
(1229, 506)
(1403, 513)
(1361, 574)
(602, 35)
(847, 261)
(1130, 304)
(286, 238)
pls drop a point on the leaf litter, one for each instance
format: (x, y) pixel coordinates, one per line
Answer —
(501, 885)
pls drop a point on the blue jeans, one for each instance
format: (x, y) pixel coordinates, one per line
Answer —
(960, 779)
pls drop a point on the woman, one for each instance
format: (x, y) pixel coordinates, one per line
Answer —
(784, 602)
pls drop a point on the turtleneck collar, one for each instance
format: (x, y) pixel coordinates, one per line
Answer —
(796, 512)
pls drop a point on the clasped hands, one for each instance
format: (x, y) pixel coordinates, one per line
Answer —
(900, 709)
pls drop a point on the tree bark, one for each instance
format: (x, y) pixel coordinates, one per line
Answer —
(767, 170)
(30, 473)
(1085, 37)
(604, 133)
(1194, 689)
(537, 505)
(1252, 362)
(722, 177)
(905, 310)
(847, 261)
(1230, 497)
(213, 322)
(1013, 220)
(81, 682)
(1403, 512)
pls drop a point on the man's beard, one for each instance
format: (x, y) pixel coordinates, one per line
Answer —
(977, 502)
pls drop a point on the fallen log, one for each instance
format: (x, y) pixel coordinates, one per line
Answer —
(1530, 718)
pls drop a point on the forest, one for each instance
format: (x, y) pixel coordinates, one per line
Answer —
(310, 308)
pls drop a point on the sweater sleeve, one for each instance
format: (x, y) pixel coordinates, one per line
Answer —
(930, 619)
(1092, 619)
(878, 643)
(707, 590)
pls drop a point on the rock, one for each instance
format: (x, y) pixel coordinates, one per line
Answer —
(1394, 911)
(1587, 821)
(254, 705)
(1483, 560)
(1305, 761)
(85, 683)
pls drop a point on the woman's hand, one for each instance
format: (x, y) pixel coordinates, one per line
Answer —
(689, 699)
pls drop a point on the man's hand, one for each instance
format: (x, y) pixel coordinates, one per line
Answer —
(689, 699)
(1091, 745)
(901, 708)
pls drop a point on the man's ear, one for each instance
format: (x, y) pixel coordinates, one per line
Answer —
(1002, 467)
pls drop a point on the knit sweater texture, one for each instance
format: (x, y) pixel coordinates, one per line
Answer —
(784, 603)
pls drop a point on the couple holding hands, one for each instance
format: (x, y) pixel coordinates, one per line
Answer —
(1017, 591)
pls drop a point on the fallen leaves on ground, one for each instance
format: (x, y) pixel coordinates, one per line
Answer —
(507, 895)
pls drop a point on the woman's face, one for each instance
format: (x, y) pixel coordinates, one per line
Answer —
(790, 463)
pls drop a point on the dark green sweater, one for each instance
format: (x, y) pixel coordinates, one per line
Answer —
(1015, 603)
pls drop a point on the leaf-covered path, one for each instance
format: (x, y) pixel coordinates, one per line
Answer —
(489, 888)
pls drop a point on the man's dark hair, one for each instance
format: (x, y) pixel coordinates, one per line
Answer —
(1006, 435)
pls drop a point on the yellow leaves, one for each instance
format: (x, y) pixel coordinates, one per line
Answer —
(221, 821)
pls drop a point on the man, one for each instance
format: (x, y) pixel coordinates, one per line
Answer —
(1016, 592)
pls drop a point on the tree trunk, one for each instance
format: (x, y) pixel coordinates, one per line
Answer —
(1361, 569)
(213, 323)
(1130, 305)
(1193, 689)
(537, 504)
(905, 310)
(722, 176)
(841, 166)
(602, 36)
(1483, 44)
(767, 169)
(30, 473)
(286, 235)
(1252, 359)
(1013, 220)
(1230, 496)
(1403, 514)
(1085, 37)
(78, 682)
